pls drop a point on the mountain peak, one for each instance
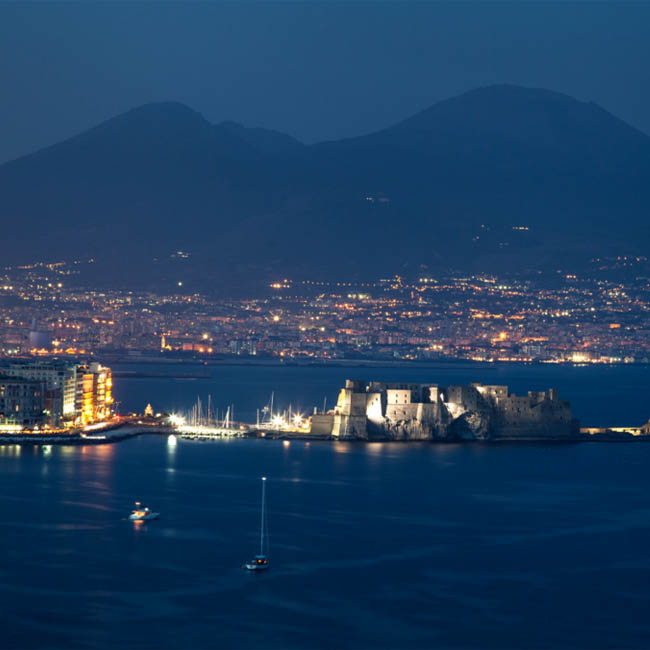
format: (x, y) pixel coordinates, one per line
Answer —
(171, 108)
(157, 115)
(513, 92)
(508, 112)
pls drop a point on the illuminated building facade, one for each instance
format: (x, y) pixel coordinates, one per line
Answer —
(73, 394)
(95, 394)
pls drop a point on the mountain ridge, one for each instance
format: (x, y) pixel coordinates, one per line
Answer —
(444, 187)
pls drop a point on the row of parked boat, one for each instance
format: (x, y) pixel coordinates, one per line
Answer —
(260, 562)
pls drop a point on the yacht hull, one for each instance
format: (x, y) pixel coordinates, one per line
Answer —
(151, 515)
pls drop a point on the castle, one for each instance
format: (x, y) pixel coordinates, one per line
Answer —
(401, 411)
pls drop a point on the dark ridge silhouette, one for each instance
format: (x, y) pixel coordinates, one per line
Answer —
(498, 178)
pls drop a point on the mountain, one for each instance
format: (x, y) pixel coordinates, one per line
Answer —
(158, 174)
(501, 177)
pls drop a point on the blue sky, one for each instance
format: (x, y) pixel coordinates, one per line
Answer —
(316, 70)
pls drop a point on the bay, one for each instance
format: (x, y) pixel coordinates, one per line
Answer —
(373, 545)
(601, 396)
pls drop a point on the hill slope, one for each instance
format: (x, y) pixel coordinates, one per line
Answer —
(500, 177)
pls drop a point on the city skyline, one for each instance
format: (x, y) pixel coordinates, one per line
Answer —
(324, 324)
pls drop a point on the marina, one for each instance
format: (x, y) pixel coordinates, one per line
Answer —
(466, 402)
(376, 411)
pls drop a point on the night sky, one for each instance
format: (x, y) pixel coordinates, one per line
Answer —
(316, 70)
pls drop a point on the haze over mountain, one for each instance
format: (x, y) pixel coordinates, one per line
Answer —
(502, 177)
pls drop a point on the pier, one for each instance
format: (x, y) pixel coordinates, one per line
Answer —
(615, 432)
(205, 432)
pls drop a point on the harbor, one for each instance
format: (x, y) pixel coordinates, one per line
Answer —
(170, 425)
(58, 402)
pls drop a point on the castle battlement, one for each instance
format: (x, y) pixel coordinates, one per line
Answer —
(412, 411)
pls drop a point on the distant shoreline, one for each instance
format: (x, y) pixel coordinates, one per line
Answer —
(341, 363)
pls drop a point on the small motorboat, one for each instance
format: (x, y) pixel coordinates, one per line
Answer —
(142, 513)
(260, 562)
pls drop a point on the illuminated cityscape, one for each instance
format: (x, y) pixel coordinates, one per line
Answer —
(599, 316)
(324, 325)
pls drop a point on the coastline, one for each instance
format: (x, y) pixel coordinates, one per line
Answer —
(77, 440)
(104, 436)
(342, 363)
(128, 431)
(117, 432)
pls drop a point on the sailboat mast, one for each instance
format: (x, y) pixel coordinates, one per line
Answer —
(263, 507)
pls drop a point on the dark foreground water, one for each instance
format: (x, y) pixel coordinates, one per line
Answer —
(373, 546)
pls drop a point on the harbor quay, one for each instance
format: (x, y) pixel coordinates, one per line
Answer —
(58, 402)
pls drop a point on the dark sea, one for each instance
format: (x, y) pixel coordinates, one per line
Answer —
(380, 545)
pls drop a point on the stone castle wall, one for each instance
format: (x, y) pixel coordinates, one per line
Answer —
(431, 412)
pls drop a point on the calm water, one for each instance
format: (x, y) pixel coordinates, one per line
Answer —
(600, 396)
(372, 545)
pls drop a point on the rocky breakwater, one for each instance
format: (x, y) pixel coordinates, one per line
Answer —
(112, 432)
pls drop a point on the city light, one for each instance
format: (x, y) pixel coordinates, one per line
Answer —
(451, 316)
(176, 420)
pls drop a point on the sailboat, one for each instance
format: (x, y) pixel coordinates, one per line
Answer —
(260, 562)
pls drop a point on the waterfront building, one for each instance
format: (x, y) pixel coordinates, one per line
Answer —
(60, 379)
(95, 399)
(74, 394)
(22, 403)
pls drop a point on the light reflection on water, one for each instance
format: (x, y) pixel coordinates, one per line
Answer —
(372, 546)
(10, 450)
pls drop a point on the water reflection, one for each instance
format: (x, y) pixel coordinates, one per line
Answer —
(138, 528)
(342, 447)
(46, 452)
(172, 444)
(10, 450)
